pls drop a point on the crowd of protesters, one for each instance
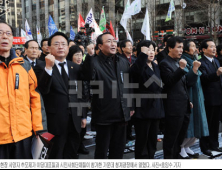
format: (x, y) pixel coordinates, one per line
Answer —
(174, 88)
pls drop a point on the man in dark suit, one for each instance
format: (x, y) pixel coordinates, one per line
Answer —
(45, 49)
(63, 121)
(212, 87)
(127, 51)
(176, 78)
(32, 48)
(163, 54)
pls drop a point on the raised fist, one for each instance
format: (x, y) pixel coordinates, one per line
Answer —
(196, 66)
(50, 61)
(144, 50)
(183, 64)
(219, 71)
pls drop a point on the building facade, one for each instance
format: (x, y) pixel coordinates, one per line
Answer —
(12, 14)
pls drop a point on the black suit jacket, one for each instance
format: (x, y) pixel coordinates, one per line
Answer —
(57, 98)
(151, 108)
(162, 55)
(175, 86)
(39, 67)
(211, 83)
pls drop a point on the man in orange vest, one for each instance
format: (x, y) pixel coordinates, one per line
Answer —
(21, 108)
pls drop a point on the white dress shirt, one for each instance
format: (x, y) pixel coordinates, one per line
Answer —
(59, 67)
(210, 59)
(31, 61)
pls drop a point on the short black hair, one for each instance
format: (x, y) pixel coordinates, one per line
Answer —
(96, 47)
(57, 34)
(173, 41)
(73, 50)
(27, 43)
(166, 37)
(123, 44)
(186, 45)
(118, 43)
(46, 39)
(219, 48)
(100, 38)
(204, 43)
(3, 22)
(144, 43)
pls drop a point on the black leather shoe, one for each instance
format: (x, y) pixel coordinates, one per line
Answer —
(196, 155)
(83, 151)
(180, 157)
(207, 152)
(216, 149)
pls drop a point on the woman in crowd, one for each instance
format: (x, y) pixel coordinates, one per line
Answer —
(198, 126)
(151, 110)
(76, 55)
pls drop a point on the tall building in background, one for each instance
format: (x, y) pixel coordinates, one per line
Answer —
(13, 14)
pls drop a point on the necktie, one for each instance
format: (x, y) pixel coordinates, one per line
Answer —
(33, 64)
(64, 75)
(215, 66)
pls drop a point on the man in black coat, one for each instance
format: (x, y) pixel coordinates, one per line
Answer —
(176, 78)
(57, 80)
(109, 109)
(212, 87)
(45, 49)
(81, 38)
(32, 48)
(163, 54)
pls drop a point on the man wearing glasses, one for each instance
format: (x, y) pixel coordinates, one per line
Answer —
(110, 111)
(21, 108)
(57, 80)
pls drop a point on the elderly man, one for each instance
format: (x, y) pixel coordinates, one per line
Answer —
(21, 109)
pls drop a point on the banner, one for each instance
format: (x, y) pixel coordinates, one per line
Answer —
(125, 17)
(134, 8)
(171, 9)
(102, 23)
(81, 22)
(39, 36)
(72, 34)
(19, 40)
(92, 23)
(51, 26)
(28, 31)
(23, 33)
(146, 26)
(129, 36)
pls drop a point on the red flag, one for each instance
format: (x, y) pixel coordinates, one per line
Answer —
(81, 22)
(109, 28)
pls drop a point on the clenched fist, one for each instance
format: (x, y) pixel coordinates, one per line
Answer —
(144, 50)
(50, 61)
(219, 71)
(182, 63)
(196, 66)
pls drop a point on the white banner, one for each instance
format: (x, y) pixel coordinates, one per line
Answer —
(92, 23)
(28, 31)
(146, 26)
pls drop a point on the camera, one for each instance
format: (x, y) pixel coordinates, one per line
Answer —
(89, 31)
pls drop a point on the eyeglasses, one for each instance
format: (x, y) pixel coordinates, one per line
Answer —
(62, 44)
(8, 33)
(33, 48)
(78, 55)
(111, 41)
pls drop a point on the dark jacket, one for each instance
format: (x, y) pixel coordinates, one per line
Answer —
(81, 36)
(151, 108)
(211, 83)
(162, 55)
(42, 57)
(39, 67)
(176, 82)
(107, 109)
(133, 59)
(220, 59)
(57, 99)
